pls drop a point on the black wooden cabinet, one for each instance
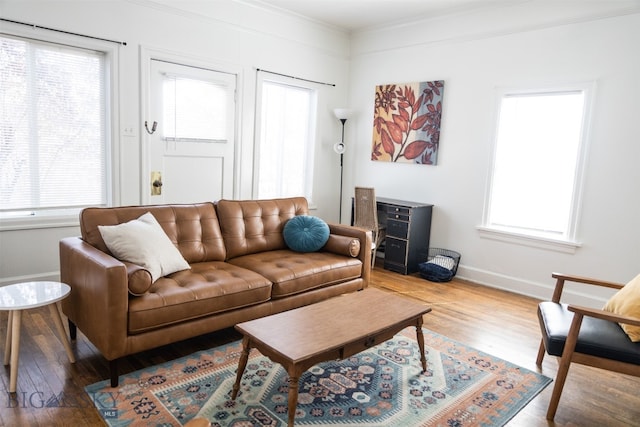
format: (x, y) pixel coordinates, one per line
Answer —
(408, 227)
(408, 232)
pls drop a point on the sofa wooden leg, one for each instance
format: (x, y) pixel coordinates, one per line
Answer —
(113, 369)
(73, 330)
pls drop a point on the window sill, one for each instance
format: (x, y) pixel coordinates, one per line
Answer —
(40, 220)
(564, 246)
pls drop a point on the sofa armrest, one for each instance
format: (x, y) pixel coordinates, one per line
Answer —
(98, 302)
(365, 237)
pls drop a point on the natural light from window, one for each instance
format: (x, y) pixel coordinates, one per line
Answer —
(53, 127)
(534, 185)
(194, 110)
(285, 160)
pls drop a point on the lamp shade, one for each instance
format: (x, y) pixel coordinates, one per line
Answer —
(339, 147)
(342, 113)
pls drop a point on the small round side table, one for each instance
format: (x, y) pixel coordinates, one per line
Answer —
(22, 296)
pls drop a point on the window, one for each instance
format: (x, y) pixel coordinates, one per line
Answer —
(194, 110)
(286, 129)
(53, 127)
(535, 182)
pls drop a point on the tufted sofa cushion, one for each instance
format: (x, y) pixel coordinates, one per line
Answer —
(252, 226)
(295, 272)
(192, 228)
(208, 288)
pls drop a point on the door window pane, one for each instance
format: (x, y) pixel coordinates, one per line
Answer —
(194, 110)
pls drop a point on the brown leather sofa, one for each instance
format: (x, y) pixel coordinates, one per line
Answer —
(241, 269)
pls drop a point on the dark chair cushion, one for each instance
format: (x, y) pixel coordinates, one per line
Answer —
(597, 337)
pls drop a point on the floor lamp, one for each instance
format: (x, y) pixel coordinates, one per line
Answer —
(341, 114)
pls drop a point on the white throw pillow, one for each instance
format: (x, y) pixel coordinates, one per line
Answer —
(142, 241)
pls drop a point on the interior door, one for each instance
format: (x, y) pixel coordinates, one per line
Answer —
(191, 151)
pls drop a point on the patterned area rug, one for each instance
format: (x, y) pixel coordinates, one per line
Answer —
(383, 386)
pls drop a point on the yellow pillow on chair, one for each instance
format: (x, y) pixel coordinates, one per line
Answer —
(626, 302)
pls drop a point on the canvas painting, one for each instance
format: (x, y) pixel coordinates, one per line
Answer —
(406, 122)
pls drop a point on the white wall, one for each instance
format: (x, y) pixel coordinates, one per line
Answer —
(511, 47)
(228, 35)
(473, 52)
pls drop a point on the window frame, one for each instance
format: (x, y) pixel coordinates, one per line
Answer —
(568, 242)
(69, 217)
(312, 134)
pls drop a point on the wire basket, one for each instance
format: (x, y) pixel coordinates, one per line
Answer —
(433, 252)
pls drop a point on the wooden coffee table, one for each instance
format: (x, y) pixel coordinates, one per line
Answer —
(333, 329)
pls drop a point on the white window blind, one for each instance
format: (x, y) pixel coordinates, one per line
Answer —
(286, 142)
(535, 179)
(194, 110)
(52, 126)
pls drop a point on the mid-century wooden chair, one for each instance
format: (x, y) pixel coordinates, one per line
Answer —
(365, 215)
(584, 335)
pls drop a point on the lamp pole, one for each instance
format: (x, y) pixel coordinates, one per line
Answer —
(341, 170)
(341, 114)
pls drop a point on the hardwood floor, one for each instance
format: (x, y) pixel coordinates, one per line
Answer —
(51, 390)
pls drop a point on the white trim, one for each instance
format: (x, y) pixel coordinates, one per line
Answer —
(507, 236)
(41, 277)
(41, 221)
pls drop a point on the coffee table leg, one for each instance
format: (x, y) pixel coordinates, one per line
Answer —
(294, 377)
(242, 364)
(420, 337)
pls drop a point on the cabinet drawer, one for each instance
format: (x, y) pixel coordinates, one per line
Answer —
(397, 228)
(395, 250)
(399, 217)
(398, 210)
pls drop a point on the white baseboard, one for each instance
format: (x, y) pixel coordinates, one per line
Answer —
(541, 291)
(52, 276)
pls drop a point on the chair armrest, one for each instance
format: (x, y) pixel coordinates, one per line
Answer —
(98, 302)
(562, 278)
(365, 237)
(605, 315)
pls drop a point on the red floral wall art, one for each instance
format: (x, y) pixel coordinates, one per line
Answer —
(406, 122)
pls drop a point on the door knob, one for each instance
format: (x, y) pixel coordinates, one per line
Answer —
(156, 183)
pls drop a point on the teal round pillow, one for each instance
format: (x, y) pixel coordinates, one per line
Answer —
(304, 233)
